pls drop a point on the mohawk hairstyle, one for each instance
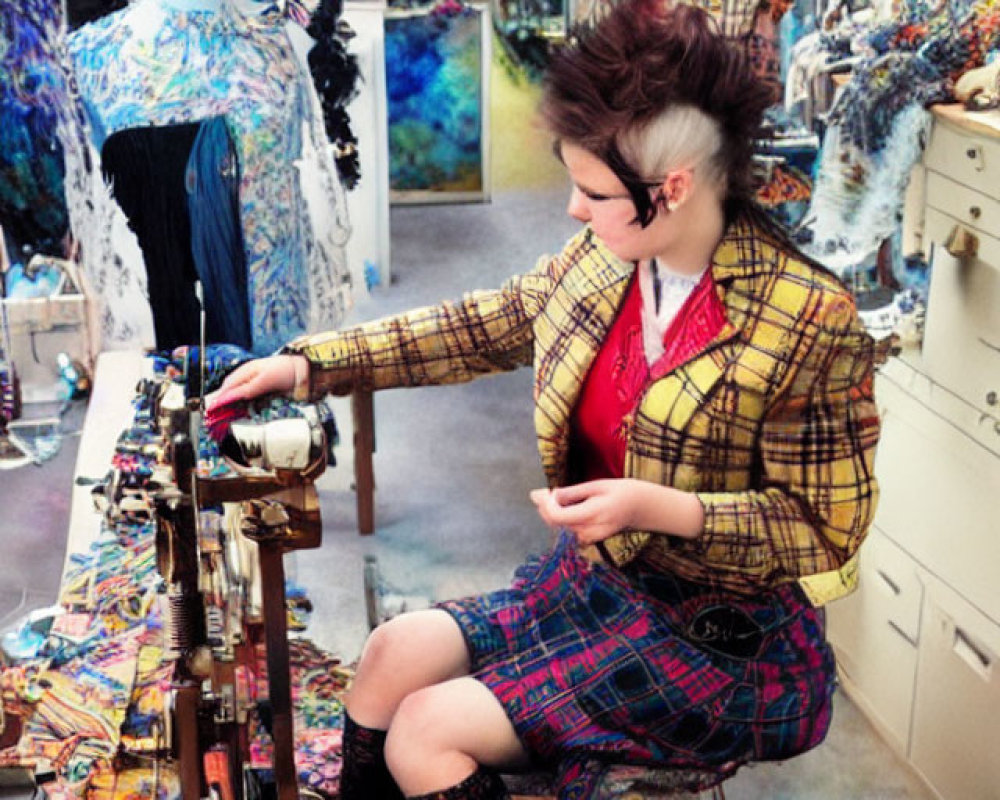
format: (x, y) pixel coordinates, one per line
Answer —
(621, 72)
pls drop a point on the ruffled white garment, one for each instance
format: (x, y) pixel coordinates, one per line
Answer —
(674, 290)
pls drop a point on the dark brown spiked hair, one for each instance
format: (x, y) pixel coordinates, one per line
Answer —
(643, 58)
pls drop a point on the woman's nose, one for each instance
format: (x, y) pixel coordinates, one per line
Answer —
(577, 207)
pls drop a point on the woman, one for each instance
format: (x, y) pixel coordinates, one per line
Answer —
(705, 419)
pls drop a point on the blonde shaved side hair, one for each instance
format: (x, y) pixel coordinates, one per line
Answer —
(682, 136)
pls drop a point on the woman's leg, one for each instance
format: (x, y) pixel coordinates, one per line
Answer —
(404, 654)
(407, 653)
(442, 734)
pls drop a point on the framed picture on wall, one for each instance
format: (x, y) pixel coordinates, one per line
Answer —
(437, 81)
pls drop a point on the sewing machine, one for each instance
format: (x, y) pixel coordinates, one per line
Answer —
(220, 542)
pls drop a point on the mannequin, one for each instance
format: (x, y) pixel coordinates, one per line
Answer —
(169, 62)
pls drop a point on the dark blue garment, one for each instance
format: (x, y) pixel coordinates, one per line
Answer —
(177, 185)
(212, 182)
(145, 167)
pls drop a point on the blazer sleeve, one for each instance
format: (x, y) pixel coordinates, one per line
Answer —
(452, 342)
(818, 492)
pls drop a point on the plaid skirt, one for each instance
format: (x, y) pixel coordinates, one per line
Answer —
(598, 665)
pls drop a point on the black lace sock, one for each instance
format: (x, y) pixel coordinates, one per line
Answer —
(483, 784)
(363, 774)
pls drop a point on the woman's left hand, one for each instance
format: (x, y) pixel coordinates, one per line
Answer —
(592, 511)
(595, 510)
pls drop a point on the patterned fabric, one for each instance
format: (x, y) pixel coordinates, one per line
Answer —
(152, 65)
(664, 292)
(33, 96)
(609, 395)
(646, 668)
(773, 424)
(751, 25)
(735, 17)
(94, 697)
(788, 185)
(10, 401)
(696, 324)
(878, 126)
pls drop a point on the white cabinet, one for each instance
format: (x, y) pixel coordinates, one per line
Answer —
(962, 340)
(956, 716)
(875, 633)
(940, 484)
(918, 643)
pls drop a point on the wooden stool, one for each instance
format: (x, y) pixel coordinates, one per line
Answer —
(715, 793)
(621, 783)
(363, 416)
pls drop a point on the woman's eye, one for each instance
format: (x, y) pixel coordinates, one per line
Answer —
(595, 196)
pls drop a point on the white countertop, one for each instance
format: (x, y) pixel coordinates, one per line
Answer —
(108, 413)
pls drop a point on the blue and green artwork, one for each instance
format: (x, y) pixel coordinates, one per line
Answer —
(434, 86)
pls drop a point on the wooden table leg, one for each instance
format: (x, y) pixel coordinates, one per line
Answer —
(362, 411)
(186, 697)
(272, 575)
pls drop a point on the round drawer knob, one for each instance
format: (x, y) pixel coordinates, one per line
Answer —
(971, 152)
(975, 212)
(991, 398)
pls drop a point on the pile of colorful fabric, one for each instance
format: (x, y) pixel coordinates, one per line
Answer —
(90, 683)
(879, 124)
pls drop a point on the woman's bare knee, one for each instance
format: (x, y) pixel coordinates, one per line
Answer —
(405, 654)
(441, 733)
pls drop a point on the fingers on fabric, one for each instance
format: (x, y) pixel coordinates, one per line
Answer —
(263, 376)
(550, 509)
(237, 386)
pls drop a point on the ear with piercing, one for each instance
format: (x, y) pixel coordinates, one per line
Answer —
(662, 201)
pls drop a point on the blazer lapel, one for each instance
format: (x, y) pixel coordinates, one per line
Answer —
(576, 319)
(568, 335)
(680, 393)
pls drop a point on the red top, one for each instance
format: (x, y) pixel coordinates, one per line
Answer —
(620, 375)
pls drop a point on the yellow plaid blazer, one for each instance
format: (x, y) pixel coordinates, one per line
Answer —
(773, 425)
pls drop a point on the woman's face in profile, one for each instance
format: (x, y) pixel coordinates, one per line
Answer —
(600, 199)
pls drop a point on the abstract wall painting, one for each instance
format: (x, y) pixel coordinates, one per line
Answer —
(437, 81)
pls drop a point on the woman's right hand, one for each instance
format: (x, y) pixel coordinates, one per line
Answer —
(272, 375)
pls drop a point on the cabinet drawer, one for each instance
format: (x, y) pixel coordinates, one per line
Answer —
(874, 634)
(961, 348)
(956, 713)
(904, 380)
(964, 157)
(938, 495)
(969, 207)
